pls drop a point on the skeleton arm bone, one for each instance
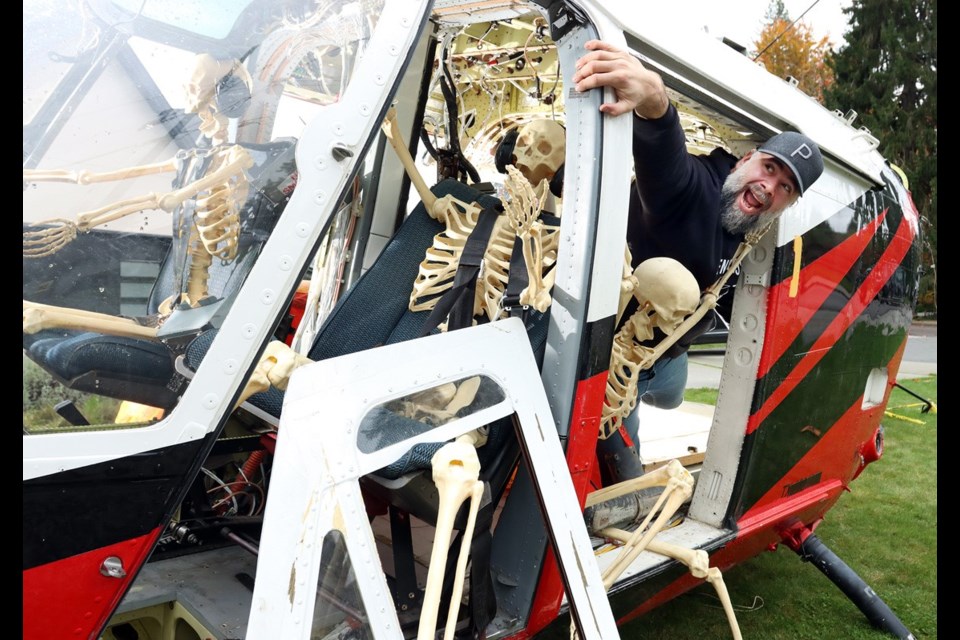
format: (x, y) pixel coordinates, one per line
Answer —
(438, 208)
(523, 209)
(84, 177)
(709, 300)
(391, 129)
(37, 317)
(45, 242)
(628, 284)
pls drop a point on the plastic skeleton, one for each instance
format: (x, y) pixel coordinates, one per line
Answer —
(218, 195)
(667, 294)
(536, 160)
(540, 242)
(456, 466)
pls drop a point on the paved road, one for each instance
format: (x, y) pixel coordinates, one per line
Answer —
(919, 359)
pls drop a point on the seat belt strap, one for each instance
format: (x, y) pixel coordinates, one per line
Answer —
(456, 304)
(517, 281)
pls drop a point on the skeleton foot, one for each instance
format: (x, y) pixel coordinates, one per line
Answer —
(697, 561)
(276, 365)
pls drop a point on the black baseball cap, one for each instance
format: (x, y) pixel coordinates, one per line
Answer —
(799, 153)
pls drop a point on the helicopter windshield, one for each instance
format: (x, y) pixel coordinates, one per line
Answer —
(158, 150)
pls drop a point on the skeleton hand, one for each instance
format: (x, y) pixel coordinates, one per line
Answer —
(523, 210)
(39, 244)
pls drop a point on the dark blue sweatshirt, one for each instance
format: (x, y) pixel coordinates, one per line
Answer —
(675, 202)
(675, 209)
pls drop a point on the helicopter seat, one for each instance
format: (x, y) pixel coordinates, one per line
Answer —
(375, 312)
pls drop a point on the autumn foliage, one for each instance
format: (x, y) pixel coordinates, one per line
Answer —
(787, 50)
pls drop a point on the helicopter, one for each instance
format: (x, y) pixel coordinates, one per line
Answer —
(277, 386)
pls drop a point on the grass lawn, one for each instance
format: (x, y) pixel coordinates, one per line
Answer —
(885, 530)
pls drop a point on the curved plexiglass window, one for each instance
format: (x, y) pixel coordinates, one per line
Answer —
(416, 413)
(158, 155)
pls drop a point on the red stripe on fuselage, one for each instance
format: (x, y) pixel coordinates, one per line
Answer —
(70, 598)
(817, 281)
(862, 297)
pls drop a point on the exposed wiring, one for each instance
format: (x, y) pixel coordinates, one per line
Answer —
(223, 486)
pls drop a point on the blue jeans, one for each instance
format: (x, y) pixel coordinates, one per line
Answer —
(661, 386)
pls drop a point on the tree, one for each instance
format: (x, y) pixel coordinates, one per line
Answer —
(887, 73)
(790, 49)
(776, 11)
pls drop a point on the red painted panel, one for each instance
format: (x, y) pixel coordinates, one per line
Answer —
(70, 598)
(886, 265)
(817, 281)
(581, 460)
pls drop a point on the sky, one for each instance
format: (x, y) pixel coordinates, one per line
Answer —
(741, 20)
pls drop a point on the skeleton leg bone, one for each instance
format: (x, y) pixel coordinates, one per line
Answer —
(678, 485)
(697, 561)
(456, 470)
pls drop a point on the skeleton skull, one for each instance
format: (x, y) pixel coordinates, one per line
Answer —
(201, 89)
(540, 149)
(667, 293)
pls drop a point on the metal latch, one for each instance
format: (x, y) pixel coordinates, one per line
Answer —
(112, 567)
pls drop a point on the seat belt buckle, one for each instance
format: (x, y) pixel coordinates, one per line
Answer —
(510, 303)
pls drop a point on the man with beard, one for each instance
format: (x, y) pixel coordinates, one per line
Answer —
(695, 209)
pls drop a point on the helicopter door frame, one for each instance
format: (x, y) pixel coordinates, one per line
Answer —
(319, 461)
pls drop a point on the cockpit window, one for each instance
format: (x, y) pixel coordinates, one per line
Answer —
(211, 19)
(158, 150)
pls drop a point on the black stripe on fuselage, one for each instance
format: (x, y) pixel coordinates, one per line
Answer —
(837, 380)
(82, 509)
(597, 343)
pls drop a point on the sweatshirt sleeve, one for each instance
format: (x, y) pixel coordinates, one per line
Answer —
(666, 173)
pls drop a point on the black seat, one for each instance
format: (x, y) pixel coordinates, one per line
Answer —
(143, 370)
